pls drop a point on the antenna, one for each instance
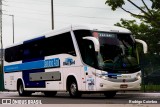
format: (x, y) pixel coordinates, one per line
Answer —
(52, 15)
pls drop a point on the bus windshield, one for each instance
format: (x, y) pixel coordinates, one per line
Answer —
(117, 51)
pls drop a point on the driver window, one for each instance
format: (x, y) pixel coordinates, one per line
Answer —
(88, 52)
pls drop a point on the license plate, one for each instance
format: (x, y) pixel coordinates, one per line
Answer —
(126, 76)
(123, 86)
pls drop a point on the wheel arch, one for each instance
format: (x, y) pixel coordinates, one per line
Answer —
(20, 81)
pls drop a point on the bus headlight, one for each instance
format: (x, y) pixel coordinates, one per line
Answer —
(101, 76)
(138, 76)
(104, 77)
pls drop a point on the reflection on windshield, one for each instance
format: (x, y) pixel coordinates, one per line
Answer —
(117, 51)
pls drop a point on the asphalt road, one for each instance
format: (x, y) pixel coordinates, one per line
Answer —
(64, 98)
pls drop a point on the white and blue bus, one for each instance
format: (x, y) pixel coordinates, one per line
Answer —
(78, 59)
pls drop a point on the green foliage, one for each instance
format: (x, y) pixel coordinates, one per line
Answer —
(155, 4)
(115, 3)
(147, 14)
(1, 80)
(151, 88)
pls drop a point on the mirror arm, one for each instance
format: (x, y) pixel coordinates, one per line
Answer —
(145, 47)
(95, 41)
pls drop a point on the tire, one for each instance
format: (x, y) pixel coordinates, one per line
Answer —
(110, 94)
(73, 90)
(21, 90)
(50, 93)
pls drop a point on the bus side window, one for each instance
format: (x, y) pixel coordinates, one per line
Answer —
(59, 44)
(13, 53)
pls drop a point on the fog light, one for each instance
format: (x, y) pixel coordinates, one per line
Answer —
(104, 77)
(138, 76)
(101, 84)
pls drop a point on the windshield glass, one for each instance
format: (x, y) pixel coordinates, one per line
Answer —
(117, 51)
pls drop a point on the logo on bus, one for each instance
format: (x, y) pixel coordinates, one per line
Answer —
(69, 61)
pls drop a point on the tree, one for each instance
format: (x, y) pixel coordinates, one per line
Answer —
(149, 27)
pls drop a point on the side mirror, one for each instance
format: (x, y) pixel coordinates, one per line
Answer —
(145, 47)
(95, 42)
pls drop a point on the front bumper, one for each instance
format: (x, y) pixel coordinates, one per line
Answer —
(105, 85)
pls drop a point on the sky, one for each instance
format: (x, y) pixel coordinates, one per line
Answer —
(33, 17)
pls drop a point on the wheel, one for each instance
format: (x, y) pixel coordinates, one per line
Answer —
(50, 93)
(73, 90)
(21, 90)
(110, 94)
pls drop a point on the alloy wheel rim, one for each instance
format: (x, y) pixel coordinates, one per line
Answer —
(21, 89)
(73, 88)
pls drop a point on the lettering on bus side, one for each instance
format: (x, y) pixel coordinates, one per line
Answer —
(51, 63)
(69, 61)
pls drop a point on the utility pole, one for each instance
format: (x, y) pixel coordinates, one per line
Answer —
(12, 23)
(52, 15)
(1, 71)
(13, 26)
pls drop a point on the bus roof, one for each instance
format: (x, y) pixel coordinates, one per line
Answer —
(94, 27)
(101, 28)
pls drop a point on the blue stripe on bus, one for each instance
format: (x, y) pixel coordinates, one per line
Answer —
(113, 74)
(33, 65)
(34, 39)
